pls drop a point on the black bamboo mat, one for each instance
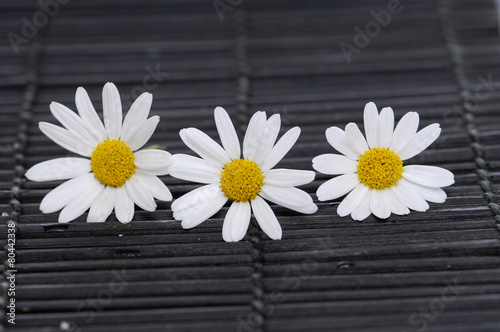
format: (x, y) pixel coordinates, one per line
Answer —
(433, 271)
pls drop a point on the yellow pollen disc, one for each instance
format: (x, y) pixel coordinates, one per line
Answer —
(379, 168)
(112, 163)
(241, 180)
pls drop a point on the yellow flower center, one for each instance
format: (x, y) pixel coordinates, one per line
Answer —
(241, 180)
(379, 168)
(112, 163)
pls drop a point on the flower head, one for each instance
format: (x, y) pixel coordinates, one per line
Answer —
(371, 170)
(245, 179)
(114, 175)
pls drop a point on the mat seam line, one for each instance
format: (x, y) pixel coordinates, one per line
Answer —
(242, 96)
(455, 52)
(19, 149)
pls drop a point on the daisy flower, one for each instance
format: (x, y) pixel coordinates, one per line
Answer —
(245, 180)
(372, 170)
(113, 174)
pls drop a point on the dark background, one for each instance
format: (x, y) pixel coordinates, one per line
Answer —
(433, 271)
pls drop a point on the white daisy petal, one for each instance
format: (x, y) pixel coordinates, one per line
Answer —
(288, 177)
(153, 161)
(370, 120)
(404, 132)
(155, 186)
(102, 206)
(430, 194)
(385, 127)
(418, 184)
(143, 133)
(73, 123)
(266, 218)
(334, 164)
(250, 144)
(81, 202)
(336, 187)
(291, 198)
(355, 138)
(355, 197)
(194, 169)
(59, 197)
(267, 138)
(202, 211)
(86, 135)
(197, 196)
(139, 193)
(66, 139)
(396, 206)
(136, 116)
(112, 107)
(407, 195)
(204, 146)
(362, 211)
(124, 205)
(420, 141)
(430, 176)
(195, 173)
(281, 148)
(336, 138)
(58, 169)
(159, 190)
(89, 115)
(236, 222)
(380, 204)
(227, 133)
(240, 177)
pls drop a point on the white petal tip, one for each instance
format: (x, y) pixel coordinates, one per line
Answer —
(321, 198)
(185, 225)
(96, 220)
(342, 214)
(449, 182)
(151, 208)
(382, 216)
(275, 236)
(313, 208)
(231, 239)
(63, 220)
(28, 175)
(350, 125)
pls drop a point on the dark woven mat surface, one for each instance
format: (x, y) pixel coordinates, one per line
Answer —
(432, 271)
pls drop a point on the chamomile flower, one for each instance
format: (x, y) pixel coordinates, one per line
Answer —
(113, 174)
(245, 179)
(371, 170)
